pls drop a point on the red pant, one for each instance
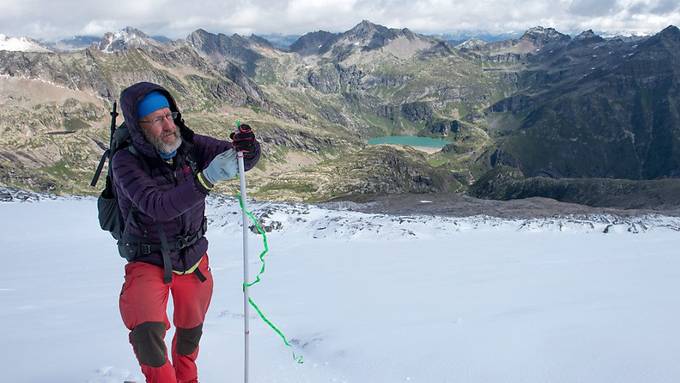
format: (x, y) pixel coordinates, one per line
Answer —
(143, 306)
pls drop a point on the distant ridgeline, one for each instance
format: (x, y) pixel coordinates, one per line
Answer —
(543, 105)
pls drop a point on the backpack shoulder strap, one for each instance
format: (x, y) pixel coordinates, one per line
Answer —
(132, 213)
(191, 160)
(98, 172)
(165, 247)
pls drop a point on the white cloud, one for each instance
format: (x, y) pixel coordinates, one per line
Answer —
(594, 7)
(99, 27)
(177, 18)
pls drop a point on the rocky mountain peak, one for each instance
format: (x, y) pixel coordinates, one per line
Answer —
(473, 43)
(588, 37)
(313, 42)
(671, 32)
(366, 31)
(208, 42)
(199, 33)
(408, 33)
(246, 42)
(204, 40)
(134, 32)
(541, 36)
(124, 39)
(236, 49)
(668, 39)
(261, 41)
(368, 36)
(364, 28)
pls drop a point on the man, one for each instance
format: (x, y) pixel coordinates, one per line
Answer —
(161, 184)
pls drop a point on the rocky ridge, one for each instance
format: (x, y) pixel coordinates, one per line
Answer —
(531, 103)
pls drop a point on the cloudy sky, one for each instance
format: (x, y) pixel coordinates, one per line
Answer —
(49, 19)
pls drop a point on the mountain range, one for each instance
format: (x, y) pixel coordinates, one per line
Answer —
(542, 106)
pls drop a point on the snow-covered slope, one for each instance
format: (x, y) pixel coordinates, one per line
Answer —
(348, 225)
(364, 298)
(22, 44)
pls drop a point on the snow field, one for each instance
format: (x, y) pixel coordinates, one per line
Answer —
(364, 298)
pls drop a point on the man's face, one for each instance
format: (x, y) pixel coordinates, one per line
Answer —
(160, 130)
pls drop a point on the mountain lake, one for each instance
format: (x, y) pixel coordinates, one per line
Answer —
(432, 144)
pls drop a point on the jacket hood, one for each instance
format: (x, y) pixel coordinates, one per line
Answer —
(129, 98)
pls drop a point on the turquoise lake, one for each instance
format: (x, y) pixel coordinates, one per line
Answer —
(409, 140)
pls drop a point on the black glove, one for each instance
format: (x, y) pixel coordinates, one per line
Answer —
(244, 140)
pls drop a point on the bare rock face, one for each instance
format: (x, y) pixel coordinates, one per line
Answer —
(444, 127)
(220, 47)
(579, 103)
(334, 78)
(505, 183)
(417, 111)
(540, 36)
(588, 37)
(314, 43)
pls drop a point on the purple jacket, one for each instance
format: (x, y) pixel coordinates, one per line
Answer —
(164, 194)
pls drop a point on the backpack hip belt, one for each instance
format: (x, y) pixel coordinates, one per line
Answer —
(135, 246)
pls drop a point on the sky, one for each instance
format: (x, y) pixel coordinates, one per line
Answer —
(50, 20)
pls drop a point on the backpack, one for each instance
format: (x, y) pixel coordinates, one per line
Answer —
(110, 217)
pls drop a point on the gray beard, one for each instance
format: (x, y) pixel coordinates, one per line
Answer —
(161, 146)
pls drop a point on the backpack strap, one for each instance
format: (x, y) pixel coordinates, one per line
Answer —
(165, 252)
(98, 172)
(133, 209)
(165, 248)
(199, 275)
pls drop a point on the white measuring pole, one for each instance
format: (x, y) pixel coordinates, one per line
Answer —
(246, 327)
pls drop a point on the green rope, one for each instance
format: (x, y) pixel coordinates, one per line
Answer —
(297, 358)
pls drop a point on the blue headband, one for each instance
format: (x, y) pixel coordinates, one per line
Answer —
(151, 103)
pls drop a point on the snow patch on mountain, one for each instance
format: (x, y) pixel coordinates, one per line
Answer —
(21, 44)
(472, 43)
(126, 38)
